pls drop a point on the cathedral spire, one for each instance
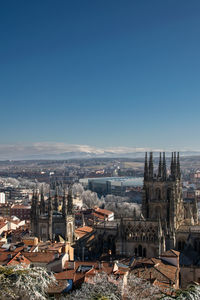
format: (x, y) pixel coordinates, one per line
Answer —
(164, 169)
(175, 166)
(146, 171)
(172, 164)
(178, 167)
(50, 206)
(56, 200)
(37, 207)
(160, 167)
(42, 202)
(64, 206)
(50, 217)
(33, 207)
(151, 166)
(69, 201)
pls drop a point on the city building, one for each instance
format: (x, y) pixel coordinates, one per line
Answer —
(2, 198)
(21, 211)
(111, 185)
(5, 210)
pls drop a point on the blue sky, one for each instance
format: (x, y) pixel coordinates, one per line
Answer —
(100, 73)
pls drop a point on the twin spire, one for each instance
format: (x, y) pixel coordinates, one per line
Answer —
(175, 165)
(162, 169)
(38, 207)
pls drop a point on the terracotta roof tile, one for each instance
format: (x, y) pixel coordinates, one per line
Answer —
(170, 253)
(19, 259)
(103, 211)
(42, 257)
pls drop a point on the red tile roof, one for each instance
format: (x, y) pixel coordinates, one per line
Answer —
(19, 259)
(103, 211)
(40, 257)
(170, 253)
(81, 231)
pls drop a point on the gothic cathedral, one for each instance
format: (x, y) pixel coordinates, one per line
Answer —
(50, 220)
(166, 222)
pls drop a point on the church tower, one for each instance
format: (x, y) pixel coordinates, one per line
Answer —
(69, 217)
(47, 221)
(50, 217)
(162, 192)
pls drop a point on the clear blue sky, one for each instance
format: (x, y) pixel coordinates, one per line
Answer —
(100, 72)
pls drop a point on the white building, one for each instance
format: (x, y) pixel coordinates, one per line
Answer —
(2, 198)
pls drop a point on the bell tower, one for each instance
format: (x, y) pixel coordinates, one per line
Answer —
(162, 193)
(67, 211)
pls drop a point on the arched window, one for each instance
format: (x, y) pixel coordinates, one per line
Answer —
(158, 212)
(179, 245)
(183, 245)
(140, 250)
(158, 194)
(144, 252)
(135, 251)
(168, 194)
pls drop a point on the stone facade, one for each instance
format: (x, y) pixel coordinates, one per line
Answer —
(48, 221)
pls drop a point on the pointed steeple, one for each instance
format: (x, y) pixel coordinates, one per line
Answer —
(37, 207)
(50, 206)
(64, 206)
(42, 202)
(160, 167)
(50, 215)
(178, 167)
(146, 170)
(33, 207)
(56, 201)
(175, 166)
(69, 201)
(164, 169)
(172, 164)
(151, 166)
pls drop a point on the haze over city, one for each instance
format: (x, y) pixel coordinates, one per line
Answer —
(99, 73)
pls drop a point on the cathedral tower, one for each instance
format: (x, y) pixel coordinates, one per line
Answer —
(162, 192)
(47, 222)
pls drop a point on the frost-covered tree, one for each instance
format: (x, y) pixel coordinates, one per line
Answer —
(123, 209)
(191, 293)
(77, 189)
(140, 289)
(102, 287)
(24, 283)
(90, 199)
(107, 287)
